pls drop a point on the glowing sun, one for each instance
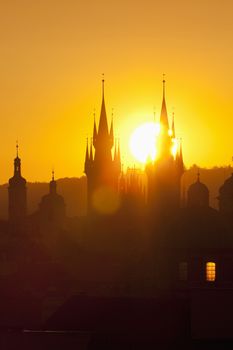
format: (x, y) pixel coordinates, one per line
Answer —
(143, 141)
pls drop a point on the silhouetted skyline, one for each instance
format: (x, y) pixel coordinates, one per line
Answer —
(52, 58)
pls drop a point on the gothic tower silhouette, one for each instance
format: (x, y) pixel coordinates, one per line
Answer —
(164, 174)
(17, 193)
(102, 170)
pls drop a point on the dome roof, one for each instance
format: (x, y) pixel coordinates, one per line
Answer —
(17, 180)
(227, 187)
(52, 198)
(198, 194)
(198, 187)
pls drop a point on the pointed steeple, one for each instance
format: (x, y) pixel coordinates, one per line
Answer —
(173, 126)
(163, 115)
(181, 157)
(87, 157)
(119, 151)
(111, 131)
(115, 151)
(94, 131)
(103, 124)
(17, 149)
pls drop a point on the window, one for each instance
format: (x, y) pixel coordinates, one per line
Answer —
(183, 271)
(210, 271)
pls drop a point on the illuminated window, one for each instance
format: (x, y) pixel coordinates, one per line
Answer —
(183, 271)
(210, 271)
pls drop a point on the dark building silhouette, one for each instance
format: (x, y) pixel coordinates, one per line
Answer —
(226, 197)
(164, 174)
(52, 209)
(132, 189)
(198, 194)
(133, 276)
(102, 169)
(17, 192)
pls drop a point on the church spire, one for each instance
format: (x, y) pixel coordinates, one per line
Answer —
(115, 151)
(181, 156)
(111, 131)
(103, 124)
(94, 131)
(53, 184)
(119, 151)
(87, 158)
(163, 115)
(17, 149)
(173, 126)
(17, 162)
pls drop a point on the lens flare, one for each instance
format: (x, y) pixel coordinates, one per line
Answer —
(106, 201)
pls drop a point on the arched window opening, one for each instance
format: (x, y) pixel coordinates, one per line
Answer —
(210, 271)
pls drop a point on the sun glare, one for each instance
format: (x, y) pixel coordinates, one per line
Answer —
(174, 147)
(143, 140)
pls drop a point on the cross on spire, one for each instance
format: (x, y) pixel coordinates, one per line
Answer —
(164, 82)
(17, 148)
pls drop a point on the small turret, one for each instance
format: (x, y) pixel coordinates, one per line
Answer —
(17, 193)
(52, 210)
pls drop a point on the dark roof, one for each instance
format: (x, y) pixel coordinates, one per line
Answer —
(162, 317)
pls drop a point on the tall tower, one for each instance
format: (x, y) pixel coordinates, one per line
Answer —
(17, 193)
(164, 174)
(101, 168)
(52, 207)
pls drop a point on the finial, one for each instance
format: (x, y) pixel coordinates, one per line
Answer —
(53, 174)
(103, 81)
(94, 113)
(17, 148)
(164, 82)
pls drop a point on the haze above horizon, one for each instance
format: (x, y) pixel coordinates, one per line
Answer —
(52, 56)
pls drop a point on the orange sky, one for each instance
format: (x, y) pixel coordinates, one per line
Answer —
(52, 54)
